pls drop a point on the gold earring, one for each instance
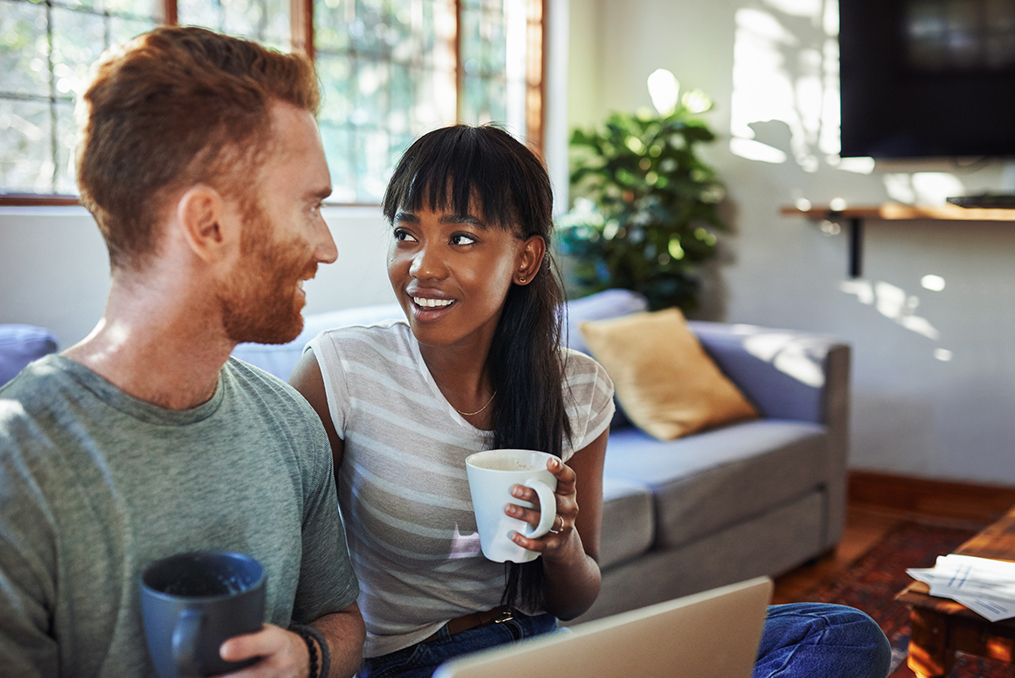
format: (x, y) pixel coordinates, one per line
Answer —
(521, 280)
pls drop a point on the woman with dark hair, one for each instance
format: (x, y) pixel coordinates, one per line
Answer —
(477, 365)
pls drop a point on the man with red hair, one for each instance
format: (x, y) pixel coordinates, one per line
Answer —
(201, 161)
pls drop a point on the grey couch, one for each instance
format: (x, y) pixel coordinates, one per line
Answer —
(752, 498)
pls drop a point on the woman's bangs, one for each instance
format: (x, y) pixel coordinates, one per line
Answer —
(430, 178)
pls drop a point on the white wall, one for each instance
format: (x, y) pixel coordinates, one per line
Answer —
(913, 412)
(54, 271)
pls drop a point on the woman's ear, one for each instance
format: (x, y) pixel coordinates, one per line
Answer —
(530, 259)
(207, 224)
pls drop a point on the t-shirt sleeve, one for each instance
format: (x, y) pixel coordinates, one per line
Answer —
(26, 562)
(327, 583)
(325, 348)
(588, 392)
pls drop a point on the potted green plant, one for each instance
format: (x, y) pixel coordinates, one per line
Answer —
(645, 205)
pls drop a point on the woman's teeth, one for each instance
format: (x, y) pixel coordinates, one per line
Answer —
(433, 303)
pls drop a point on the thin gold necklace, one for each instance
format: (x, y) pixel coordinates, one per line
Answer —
(469, 414)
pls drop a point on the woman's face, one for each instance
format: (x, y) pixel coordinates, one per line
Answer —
(451, 273)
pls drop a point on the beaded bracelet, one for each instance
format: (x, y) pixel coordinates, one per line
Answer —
(309, 635)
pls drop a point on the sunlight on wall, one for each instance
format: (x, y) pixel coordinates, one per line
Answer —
(894, 303)
(924, 188)
(786, 83)
(785, 101)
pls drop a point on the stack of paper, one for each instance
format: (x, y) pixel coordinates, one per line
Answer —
(985, 586)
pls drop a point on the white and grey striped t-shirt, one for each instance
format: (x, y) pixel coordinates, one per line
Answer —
(402, 484)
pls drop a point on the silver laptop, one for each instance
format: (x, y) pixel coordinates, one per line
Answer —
(714, 634)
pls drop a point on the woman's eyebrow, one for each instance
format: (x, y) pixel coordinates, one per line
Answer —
(406, 216)
(463, 219)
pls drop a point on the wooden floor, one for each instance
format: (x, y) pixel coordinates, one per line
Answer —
(879, 502)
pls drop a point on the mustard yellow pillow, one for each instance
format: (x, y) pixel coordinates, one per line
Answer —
(667, 384)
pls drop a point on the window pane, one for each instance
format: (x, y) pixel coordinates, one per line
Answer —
(331, 25)
(78, 40)
(387, 68)
(123, 29)
(372, 146)
(137, 9)
(66, 132)
(24, 50)
(264, 21)
(337, 140)
(336, 78)
(483, 100)
(484, 44)
(26, 149)
(45, 55)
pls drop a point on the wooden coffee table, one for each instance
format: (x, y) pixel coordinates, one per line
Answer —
(940, 626)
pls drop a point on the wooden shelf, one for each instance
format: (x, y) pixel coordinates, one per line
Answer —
(891, 211)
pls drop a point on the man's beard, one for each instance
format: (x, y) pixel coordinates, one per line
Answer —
(259, 304)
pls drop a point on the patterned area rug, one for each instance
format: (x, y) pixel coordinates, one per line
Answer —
(871, 584)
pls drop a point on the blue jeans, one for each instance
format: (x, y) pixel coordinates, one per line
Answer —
(818, 639)
(802, 639)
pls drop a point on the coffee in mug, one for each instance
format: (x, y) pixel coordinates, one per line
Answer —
(492, 474)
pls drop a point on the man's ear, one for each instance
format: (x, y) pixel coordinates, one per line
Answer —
(530, 259)
(207, 223)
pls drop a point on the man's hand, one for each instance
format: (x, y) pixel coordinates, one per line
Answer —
(283, 654)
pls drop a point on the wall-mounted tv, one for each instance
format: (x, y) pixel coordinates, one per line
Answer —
(927, 78)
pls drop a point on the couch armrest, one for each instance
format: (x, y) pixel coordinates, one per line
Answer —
(792, 375)
(786, 374)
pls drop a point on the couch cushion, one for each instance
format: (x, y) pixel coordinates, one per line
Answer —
(20, 345)
(718, 478)
(627, 529)
(668, 385)
(768, 544)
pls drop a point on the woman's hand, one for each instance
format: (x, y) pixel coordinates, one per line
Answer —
(562, 542)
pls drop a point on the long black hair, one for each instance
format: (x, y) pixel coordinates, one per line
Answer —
(450, 167)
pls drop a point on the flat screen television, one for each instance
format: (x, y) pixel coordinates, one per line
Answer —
(927, 78)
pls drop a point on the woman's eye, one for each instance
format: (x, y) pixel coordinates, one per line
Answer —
(462, 239)
(401, 235)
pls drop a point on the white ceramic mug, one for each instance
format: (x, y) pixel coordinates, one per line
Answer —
(492, 474)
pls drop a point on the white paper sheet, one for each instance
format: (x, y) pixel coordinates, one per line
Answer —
(985, 586)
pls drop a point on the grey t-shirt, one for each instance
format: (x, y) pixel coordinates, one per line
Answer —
(95, 485)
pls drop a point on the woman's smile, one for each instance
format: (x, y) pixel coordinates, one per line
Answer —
(429, 305)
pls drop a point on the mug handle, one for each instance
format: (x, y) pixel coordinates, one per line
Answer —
(547, 508)
(184, 643)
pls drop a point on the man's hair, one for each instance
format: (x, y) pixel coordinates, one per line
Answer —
(175, 107)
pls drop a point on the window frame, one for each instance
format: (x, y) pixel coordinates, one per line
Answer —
(301, 21)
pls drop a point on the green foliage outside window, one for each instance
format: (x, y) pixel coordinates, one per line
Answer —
(646, 206)
(387, 70)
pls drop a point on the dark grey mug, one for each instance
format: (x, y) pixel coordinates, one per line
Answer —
(194, 602)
